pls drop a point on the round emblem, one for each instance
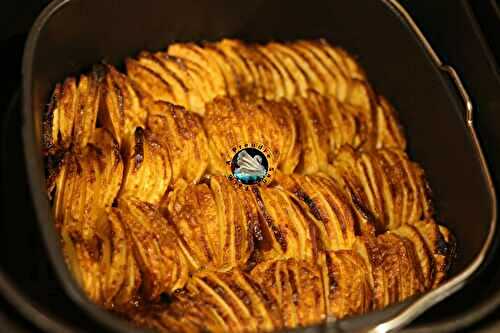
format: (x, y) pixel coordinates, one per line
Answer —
(250, 164)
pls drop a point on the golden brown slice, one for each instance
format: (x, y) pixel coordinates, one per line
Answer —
(286, 83)
(90, 89)
(389, 131)
(212, 74)
(149, 82)
(83, 264)
(155, 64)
(334, 65)
(384, 185)
(216, 302)
(276, 87)
(441, 245)
(245, 72)
(289, 60)
(188, 76)
(181, 132)
(313, 76)
(161, 262)
(395, 272)
(422, 251)
(335, 220)
(346, 284)
(326, 125)
(320, 67)
(192, 211)
(232, 123)
(216, 223)
(227, 69)
(236, 298)
(288, 231)
(148, 171)
(122, 111)
(120, 275)
(86, 186)
(297, 287)
(316, 129)
(58, 121)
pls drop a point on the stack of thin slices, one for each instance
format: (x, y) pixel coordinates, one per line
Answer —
(153, 230)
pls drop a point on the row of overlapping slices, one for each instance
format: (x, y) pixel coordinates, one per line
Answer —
(142, 204)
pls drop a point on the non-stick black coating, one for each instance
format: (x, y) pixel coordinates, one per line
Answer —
(81, 33)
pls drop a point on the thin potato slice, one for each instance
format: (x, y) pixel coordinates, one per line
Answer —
(148, 171)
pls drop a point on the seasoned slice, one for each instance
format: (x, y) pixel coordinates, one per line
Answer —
(50, 122)
(147, 168)
(336, 55)
(346, 284)
(149, 81)
(228, 70)
(154, 63)
(389, 132)
(422, 251)
(192, 211)
(189, 76)
(244, 71)
(233, 122)
(161, 261)
(384, 185)
(58, 122)
(273, 72)
(181, 132)
(441, 245)
(238, 223)
(395, 272)
(333, 65)
(90, 89)
(326, 125)
(265, 79)
(316, 130)
(212, 73)
(86, 186)
(217, 298)
(335, 219)
(216, 302)
(299, 77)
(216, 223)
(287, 80)
(297, 287)
(120, 275)
(234, 297)
(122, 111)
(327, 75)
(288, 231)
(82, 264)
(314, 79)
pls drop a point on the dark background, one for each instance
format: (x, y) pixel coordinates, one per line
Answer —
(470, 41)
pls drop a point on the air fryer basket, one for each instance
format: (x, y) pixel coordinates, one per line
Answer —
(434, 108)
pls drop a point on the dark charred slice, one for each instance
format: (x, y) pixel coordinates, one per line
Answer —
(139, 147)
(48, 122)
(53, 165)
